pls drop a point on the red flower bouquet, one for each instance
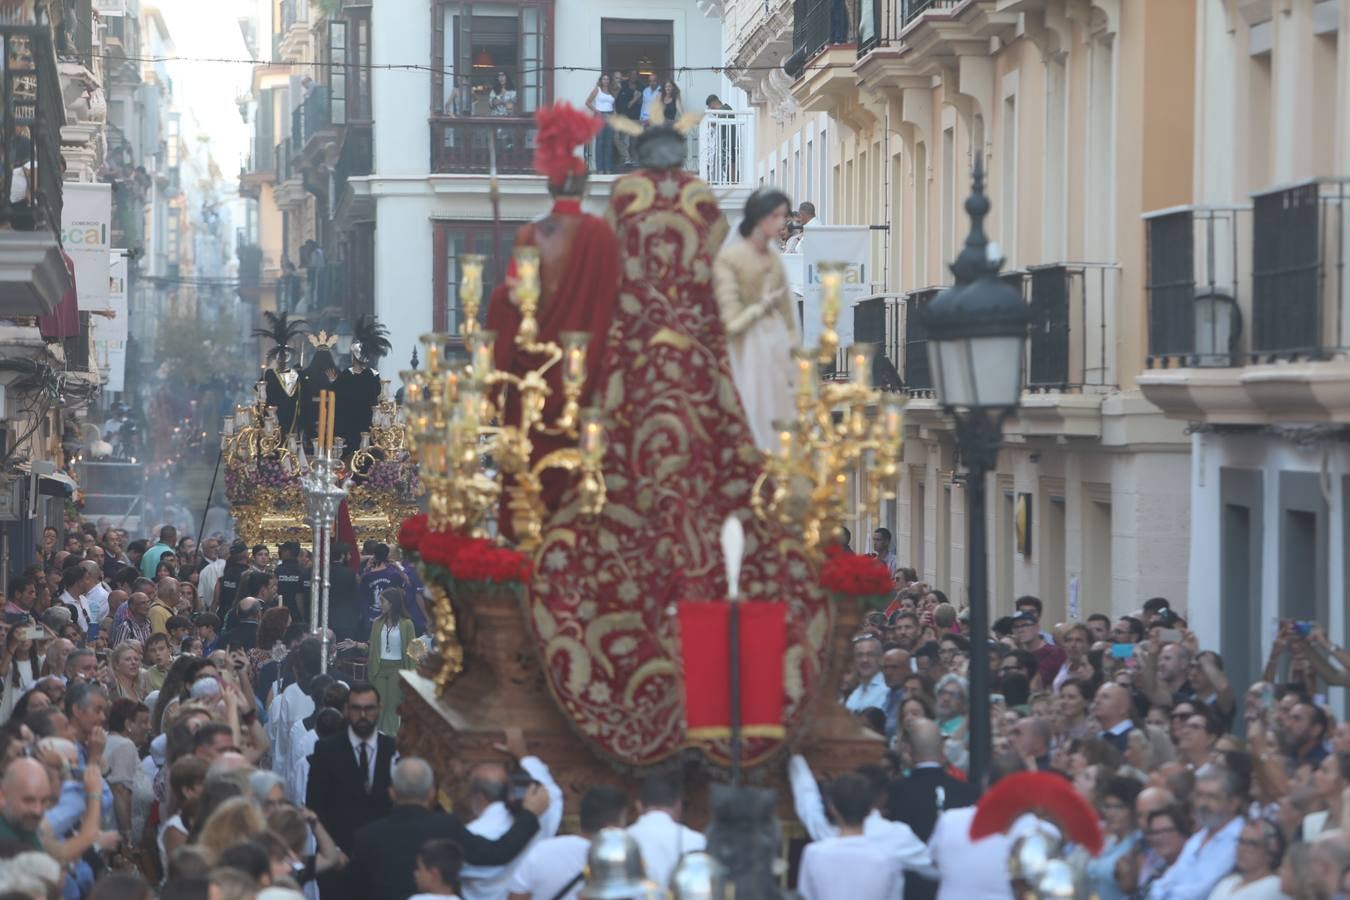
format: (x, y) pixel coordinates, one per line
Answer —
(459, 558)
(851, 575)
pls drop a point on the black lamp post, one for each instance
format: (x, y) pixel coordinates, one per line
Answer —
(976, 343)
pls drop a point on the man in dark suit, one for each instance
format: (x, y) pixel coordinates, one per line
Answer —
(918, 799)
(384, 852)
(349, 778)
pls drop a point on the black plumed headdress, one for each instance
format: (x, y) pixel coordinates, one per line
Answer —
(282, 330)
(373, 337)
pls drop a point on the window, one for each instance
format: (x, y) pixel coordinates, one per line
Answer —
(920, 172)
(337, 72)
(357, 76)
(645, 46)
(1008, 187)
(491, 59)
(450, 242)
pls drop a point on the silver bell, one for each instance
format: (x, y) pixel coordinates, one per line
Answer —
(698, 877)
(614, 869)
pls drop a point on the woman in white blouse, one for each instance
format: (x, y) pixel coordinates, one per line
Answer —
(601, 102)
(387, 654)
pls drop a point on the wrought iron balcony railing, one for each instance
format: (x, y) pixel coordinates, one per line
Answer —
(1194, 297)
(461, 144)
(1299, 255)
(1070, 346)
(817, 24)
(30, 129)
(310, 116)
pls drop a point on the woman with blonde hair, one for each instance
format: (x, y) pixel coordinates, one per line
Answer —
(237, 819)
(124, 673)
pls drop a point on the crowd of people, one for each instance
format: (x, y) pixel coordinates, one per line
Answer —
(161, 699)
(165, 730)
(1204, 788)
(635, 96)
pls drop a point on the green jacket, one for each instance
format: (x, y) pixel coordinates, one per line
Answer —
(374, 664)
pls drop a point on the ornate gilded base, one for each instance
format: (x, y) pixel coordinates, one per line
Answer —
(502, 685)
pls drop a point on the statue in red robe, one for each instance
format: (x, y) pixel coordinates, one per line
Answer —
(679, 459)
(578, 283)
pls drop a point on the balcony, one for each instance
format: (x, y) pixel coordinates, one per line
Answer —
(822, 55)
(463, 145)
(1275, 348)
(33, 275)
(309, 118)
(290, 189)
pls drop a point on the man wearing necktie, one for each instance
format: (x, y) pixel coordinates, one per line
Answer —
(349, 778)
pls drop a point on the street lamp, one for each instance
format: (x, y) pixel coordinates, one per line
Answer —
(976, 338)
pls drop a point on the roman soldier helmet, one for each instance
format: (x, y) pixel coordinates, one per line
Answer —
(370, 341)
(663, 145)
(562, 129)
(281, 330)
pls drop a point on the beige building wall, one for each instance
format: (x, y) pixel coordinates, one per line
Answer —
(1083, 113)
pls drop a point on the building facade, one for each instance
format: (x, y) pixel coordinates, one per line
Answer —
(1082, 114)
(1247, 321)
(435, 138)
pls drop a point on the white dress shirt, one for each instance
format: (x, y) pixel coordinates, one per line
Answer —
(663, 841)
(897, 841)
(82, 617)
(975, 870)
(206, 581)
(494, 882)
(96, 601)
(871, 693)
(1201, 865)
(549, 866)
(849, 868)
(372, 750)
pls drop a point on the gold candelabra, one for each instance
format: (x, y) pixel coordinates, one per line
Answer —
(458, 415)
(253, 433)
(805, 482)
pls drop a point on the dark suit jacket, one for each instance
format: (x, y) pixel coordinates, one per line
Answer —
(335, 790)
(386, 851)
(914, 801)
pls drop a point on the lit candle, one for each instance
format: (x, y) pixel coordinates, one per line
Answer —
(860, 364)
(786, 438)
(431, 350)
(527, 275)
(328, 444)
(471, 279)
(831, 280)
(574, 356)
(482, 354)
(892, 422)
(592, 435)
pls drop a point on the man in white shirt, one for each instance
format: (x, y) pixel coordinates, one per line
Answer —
(96, 595)
(895, 839)
(555, 868)
(210, 573)
(75, 583)
(488, 790)
(871, 690)
(650, 94)
(850, 865)
(658, 832)
(1210, 853)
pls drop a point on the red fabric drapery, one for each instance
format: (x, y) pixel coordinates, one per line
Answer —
(705, 649)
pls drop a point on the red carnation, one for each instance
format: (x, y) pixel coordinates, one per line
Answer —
(411, 532)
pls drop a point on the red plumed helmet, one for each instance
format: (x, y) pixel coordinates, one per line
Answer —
(562, 129)
(1049, 796)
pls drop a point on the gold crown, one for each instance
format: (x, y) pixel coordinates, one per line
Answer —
(324, 341)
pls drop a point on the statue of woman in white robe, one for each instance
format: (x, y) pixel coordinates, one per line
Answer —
(759, 316)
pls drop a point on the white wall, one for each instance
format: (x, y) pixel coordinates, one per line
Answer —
(1269, 455)
(577, 24)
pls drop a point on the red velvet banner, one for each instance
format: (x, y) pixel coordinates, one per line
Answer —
(705, 638)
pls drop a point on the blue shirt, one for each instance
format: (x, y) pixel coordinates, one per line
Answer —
(872, 693)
